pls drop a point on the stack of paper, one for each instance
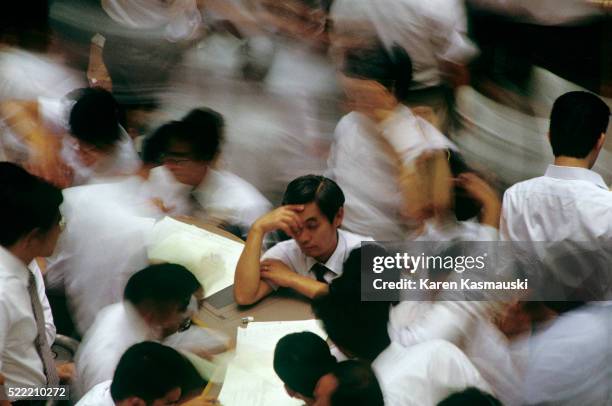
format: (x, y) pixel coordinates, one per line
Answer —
(211, 257)
(250, 379)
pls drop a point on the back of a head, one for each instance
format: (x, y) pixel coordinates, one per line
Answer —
(26, 203)
(149, 371)
(204, 132)
(391, 68)
(577, 121)
(95, 118)
(300, 359)
(323, 191)
(357, 385)
(359, 327)
(472, 397)
(162, 285)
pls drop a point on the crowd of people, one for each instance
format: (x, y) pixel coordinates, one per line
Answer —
(311, 130)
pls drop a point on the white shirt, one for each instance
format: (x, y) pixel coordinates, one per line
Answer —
(291, 255)
(228, 197)
(99, 395)
(565, 204)
(19, 362)
(119, 326)
(124, 160)
(424, 374)
(116, 328)
(467, 325)
(103, 244)
(569, 359)
(367, 175)
(430, 31)
(458, 230)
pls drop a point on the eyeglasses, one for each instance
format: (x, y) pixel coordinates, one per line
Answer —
(185, 325)
(175, 159)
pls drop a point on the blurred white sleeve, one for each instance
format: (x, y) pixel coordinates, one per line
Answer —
(40, 288)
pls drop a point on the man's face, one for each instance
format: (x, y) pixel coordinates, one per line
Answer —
(319, 237)
(324, 390)
(180, 161)
(170, 319)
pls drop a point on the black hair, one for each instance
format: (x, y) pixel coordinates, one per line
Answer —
(156, 143)
(25, 24)
(472, 397)
(149, 371)
(27, 203)
(359, 327)
(576, 122)
(300, 359)
(391, 68)
(95, 118)
(161, 285)
(357, 385)
(315, 188)
(202, 129)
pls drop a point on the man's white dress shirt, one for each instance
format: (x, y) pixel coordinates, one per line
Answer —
(19, 361)
(567, 203)
(430, 31)
(291, 255)
(99, 395)
(367, 174)
(227, 197)
(424, 374)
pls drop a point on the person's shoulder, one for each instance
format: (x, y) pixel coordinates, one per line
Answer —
(353, 239)
(245, 193)
(99, 395)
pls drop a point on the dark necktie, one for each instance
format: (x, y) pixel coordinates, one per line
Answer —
(320, 270)
(42, 347)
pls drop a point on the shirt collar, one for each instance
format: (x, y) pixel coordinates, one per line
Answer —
(13, 265)
(574, 173)
(335, 262)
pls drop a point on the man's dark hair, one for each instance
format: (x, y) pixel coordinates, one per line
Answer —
(472, 397)
(353, 325)
(357, 385)
(162, 285)
(149, 371)
(155, 144)
(27, 203)
(202, 129)
(300, 359)
(314, 188)
(392, 69)
(576, 122)
(95, 118)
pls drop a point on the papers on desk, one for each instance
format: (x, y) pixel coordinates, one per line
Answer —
(250, 379)
(211, 257)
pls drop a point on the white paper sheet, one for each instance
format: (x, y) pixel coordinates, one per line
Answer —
(250, 379)
(212, 258)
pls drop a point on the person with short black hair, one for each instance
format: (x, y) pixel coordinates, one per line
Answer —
(100, 145)
(538, 209)
(30, 218)
(190, 150)
(311, 214)
(419, 374)
(349, 383)
(300, 360)
(472, 397)
(158, 302)
(148, 373)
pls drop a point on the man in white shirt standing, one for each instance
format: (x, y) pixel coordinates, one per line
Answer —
(30, 228)
(311, 214)
(570, 202)
(568, 209)
(190, 148)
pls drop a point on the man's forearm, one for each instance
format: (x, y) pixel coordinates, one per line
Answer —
(308, 287)
(247, 277)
